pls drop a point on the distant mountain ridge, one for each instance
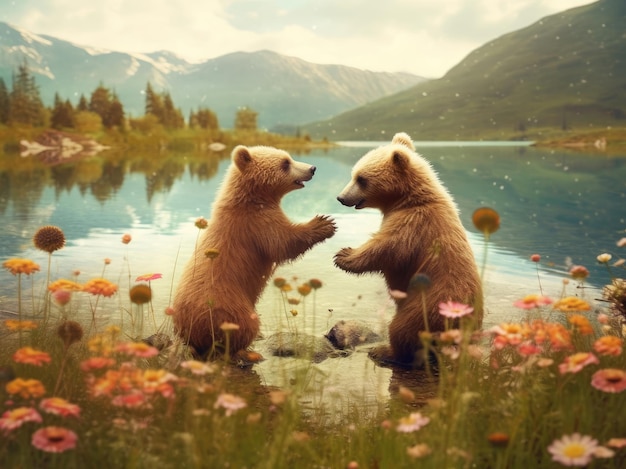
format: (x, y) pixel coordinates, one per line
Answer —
(566, 71)
(283, 90)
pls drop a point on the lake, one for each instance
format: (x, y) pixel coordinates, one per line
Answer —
(566, 206)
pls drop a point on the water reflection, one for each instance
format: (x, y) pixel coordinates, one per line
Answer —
(566, 206)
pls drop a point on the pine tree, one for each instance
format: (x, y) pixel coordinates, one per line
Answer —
(83, 105)
(107, 106)
(62, 114)
(25, 105)
(154, 105)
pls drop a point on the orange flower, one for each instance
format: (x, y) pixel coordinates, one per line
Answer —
(100, 286)
(609, 345)
(96, 363)
(532, 301)
(15, 325)
(581, 324)
(571, 303)
(20, 266)
(105, 385)
(26, 388)
(304, 289)
(65, 285)
(31, 356)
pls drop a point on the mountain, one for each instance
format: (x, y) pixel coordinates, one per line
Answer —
(566, 71)
(283, 90)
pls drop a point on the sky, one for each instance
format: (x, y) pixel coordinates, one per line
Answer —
(424, 37)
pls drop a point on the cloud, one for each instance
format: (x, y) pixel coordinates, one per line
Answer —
(426, 37)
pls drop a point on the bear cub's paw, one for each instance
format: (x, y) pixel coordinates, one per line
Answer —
(323, 226)
(343, 259)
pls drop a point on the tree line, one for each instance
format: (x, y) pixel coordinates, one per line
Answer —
(22, 105)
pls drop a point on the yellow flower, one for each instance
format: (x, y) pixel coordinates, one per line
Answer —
(16, 325)
(64, 284)
(20, 266)
(26, 388)
(100, 286)
(571, 303)
(581, 323)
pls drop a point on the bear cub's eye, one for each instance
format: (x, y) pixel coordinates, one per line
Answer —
(361, 181)
(284, 165)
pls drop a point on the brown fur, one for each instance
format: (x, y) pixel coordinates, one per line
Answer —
(421, 233)
(252, 235)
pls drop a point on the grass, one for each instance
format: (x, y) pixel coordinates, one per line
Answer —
(499, 401)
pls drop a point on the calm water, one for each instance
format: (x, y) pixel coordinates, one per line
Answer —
(568, 207)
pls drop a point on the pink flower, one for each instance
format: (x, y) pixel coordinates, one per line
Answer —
(532, 301)
(148, 277)
(412, 423)
(54, 439)
(535, 258)
(131, 400)
(62, 297)
(59, 406)
(609, 380)
(15, 418)
(576, 362)
(579, 272)
(126, 238)
(454, 310)
(230, 402)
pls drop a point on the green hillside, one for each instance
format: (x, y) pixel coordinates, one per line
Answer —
(565, 72)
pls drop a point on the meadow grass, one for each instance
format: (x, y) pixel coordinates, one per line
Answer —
(546, 391)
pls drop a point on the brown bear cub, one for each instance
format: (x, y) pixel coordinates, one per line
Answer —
(248, 235)
(420, 233)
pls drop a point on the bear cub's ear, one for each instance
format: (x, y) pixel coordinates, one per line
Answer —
(241, 157)
(403, 139)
